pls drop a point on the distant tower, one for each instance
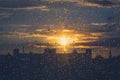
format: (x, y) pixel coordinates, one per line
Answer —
(88, 56)
(110, 54)
(89, 53)
(15, 51)
(23, 49)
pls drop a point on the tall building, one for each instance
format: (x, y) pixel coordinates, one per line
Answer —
(81, 65)
(15, 51)
(88, 64)
(110, 54)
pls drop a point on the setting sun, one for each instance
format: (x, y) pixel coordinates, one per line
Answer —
(63, 41)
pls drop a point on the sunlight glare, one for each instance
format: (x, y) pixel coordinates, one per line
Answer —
(63, 41)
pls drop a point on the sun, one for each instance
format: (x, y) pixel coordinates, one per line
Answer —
(63, 40)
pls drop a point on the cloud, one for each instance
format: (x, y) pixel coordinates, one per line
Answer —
(14, 27)
(4, 15)
(103, 3)
(22, 35)
(14, 34)
(41, 7)
(23, 5)
(104, 27)
(47, 5)
(109, 42)
(98, 3)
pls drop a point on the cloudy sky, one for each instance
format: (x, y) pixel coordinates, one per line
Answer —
(35, 23)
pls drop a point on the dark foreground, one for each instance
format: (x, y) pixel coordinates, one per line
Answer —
(52, 66)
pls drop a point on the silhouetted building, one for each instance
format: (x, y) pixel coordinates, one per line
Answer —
(110, 54)
(50, 51)
(81, 65)
(15, 51)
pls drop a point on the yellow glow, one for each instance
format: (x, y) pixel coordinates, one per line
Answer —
(63, 41)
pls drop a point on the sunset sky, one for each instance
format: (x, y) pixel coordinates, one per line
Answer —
(37, 23)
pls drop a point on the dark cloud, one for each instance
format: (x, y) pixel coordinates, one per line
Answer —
(98, 3)
(14, 35)
(104, 27)
(108, 43)
(33, 4)
(4, 15)
(14, 28)
(103, 2)
(16, 3)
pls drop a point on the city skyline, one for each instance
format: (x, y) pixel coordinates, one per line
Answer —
(53, 66)
(62, 51)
